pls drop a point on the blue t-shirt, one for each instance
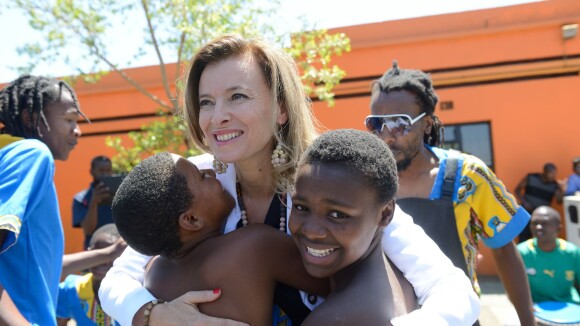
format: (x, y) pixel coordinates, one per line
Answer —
(31, 254)
(81, 208)
(573, 184)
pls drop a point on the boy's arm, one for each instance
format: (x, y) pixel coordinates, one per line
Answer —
(79, 261)
(9, 314)
(283, 259)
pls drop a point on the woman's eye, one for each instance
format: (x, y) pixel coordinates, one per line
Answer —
(203, 103)
(238, 96)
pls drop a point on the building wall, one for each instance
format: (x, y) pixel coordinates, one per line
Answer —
(507, 66)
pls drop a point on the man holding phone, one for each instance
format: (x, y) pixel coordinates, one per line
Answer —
(92, 206)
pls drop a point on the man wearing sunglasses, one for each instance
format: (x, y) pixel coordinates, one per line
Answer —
(455, 197)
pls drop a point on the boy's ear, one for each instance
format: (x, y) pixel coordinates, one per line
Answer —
(188, 221)
(387, 213)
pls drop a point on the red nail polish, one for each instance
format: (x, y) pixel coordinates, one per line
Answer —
(216, 291)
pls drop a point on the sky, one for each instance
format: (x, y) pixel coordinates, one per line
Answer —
(15, 31)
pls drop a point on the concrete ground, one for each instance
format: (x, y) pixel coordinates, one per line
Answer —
(496, 309)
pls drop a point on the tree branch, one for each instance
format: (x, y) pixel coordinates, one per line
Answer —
(94, 48)
(161, 63)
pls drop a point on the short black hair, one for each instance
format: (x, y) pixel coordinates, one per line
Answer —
(549, 167)
(108, 229)
(418, 83)
(148, 203)
(361, 153)
(575, 162)
(99, 159)
(32, 94)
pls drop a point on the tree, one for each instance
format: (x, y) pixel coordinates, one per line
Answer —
(174, 30)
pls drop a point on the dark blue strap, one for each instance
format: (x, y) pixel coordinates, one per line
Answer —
(449, 179)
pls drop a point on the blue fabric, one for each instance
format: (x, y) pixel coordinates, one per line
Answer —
(80, 209)
(573, 184)
(69, 304)
(30, 267)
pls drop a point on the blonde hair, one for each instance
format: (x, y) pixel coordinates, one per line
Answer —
(281, 75)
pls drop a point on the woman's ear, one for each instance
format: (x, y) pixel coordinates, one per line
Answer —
(190, 222)
(387, 213)
(282, 115)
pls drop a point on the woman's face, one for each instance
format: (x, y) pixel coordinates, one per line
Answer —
(236, 110)
(335, 217)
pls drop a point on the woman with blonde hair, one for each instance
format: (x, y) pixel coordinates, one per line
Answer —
(245, 104)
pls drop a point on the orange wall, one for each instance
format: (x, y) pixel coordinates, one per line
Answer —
(470, 55)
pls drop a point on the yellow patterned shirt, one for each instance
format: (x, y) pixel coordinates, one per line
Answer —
(484, 209)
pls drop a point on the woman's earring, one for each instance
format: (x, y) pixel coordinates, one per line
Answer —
(219, 167)
(279, 156)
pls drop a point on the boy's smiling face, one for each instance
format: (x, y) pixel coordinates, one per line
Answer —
(335, 217)
(210, 200)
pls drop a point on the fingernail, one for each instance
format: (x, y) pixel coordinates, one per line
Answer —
(216, 291)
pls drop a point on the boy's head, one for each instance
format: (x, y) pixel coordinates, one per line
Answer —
(42, 108)
(164, 201)
(344, 197)
(103, 237)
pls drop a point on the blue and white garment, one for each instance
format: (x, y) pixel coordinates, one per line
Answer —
(31, 253)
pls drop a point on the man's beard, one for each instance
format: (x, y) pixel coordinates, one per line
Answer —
(404, 164)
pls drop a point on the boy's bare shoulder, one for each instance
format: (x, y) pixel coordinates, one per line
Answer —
(363, 309)
(259, 239)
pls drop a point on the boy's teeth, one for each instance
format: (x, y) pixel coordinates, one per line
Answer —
(319, 253)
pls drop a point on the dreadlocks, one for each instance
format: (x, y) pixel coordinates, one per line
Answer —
(32, 94)
(420, 84)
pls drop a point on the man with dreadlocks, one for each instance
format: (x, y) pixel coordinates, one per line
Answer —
(38, 124)
(455, 197)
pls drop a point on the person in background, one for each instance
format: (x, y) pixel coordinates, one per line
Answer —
(455, 197)
(39, 118)
(552, 264)
(538, 189)
(77, 295)
(91, 207)
(573, 185)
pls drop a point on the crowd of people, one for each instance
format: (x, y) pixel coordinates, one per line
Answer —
(275, 224)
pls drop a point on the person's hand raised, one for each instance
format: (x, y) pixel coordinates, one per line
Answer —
(184, 311)
(100, 193)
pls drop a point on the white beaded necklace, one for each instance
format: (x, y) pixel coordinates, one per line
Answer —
(244, 213)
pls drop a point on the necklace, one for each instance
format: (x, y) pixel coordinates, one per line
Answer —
(281, 197)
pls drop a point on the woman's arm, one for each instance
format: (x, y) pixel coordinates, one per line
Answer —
(122, 293)
(445, 293)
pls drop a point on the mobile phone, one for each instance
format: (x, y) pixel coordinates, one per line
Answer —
(112, 182)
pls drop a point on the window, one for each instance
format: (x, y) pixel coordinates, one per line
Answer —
(470, 138)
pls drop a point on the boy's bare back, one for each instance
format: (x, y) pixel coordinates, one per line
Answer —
(244, 265)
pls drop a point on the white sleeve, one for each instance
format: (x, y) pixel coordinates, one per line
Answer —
(444, 292)
(122, 292)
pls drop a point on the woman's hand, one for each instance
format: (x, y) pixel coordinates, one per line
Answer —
(183, 311)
